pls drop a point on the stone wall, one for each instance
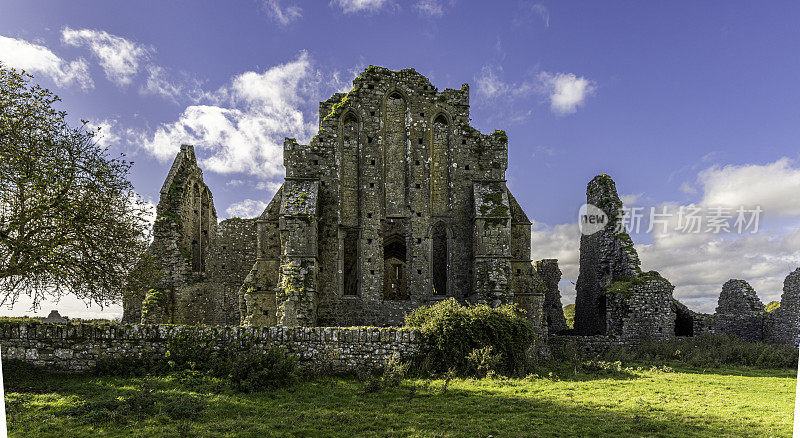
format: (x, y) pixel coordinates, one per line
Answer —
(591, 345)
(641, 309)
(553, 310)
(183, 233)
(740, 312)
(783, 324)
(606, 256)
(76, 347)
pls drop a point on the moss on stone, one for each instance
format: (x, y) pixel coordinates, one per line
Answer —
(500, 133)
(154, 300)
(626, 287)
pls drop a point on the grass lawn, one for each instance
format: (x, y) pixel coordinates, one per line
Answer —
(626, 402)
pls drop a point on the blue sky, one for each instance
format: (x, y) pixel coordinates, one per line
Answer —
(681, 102)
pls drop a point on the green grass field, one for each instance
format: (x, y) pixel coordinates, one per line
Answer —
(616, 402)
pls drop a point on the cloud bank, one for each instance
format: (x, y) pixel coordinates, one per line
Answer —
(38, 59)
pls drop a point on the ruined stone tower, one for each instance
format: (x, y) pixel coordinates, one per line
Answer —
(783, 324)
(614, 297)
(397, 202)
(197, 264)
(553, 309)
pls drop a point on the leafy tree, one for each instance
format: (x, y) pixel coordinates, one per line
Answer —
(70, 221)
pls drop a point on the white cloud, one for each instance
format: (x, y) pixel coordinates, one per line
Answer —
(119, 57)
(249, 208)
(187, 89)
(773, 186)
(530, 10)
(687, 188)
(488, 84)
(37, 59)
(698, 264)
(355, 6)
(158, 84)
(282, 16)
(560, 242)
(271, 187)
(630, 199)
(431, 8)
(243, 124)
(566, 91)
(106, 134)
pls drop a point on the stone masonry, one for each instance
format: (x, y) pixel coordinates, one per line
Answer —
(739, 311)
(783, 323)
(77, 347)
(396, 203)
(614, 297)
(199, 264)
(553, 310)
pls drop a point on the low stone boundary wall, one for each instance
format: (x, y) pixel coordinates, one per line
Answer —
(76, 347)
(592, 345)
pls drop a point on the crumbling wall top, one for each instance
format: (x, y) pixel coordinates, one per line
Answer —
(738, 297)
(185, 157)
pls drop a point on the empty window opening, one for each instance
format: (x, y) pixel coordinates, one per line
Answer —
(394, 259)
(350, 259)
(439, 259)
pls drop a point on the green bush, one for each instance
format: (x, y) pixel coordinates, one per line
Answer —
(483, 362)
(389, 376)
(453, 331)
(143, 402)
(124, 366)
(258, 371)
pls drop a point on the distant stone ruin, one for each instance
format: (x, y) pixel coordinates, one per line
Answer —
(55, 318)
(783, 323)
(199, 263)
(614, 297)
(553, 310)
(740, 312)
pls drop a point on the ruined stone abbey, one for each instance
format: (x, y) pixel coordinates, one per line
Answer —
(396, 203)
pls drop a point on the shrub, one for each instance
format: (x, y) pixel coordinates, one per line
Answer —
(124, 366)
(143, 402)
(483, 362)
(258, 371)
(190, 359)
(390, 376)
(453, 331)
